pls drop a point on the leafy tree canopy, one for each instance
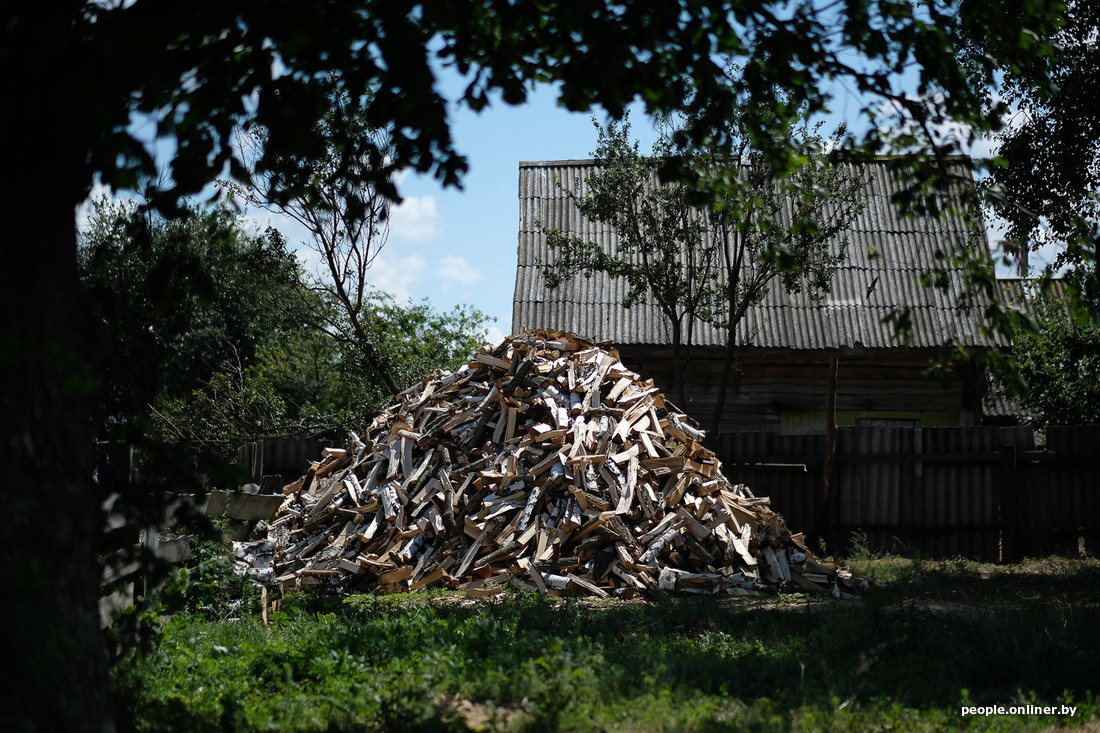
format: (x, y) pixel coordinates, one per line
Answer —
(1047, 186)
(757, 228)
(212, 339)
(1058, 362)
(336, 199)
(237, 66)
(175, 299)
(223, 65)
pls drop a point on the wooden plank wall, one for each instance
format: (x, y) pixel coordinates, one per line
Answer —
(287, 458)
(764, 387)
(1059, 498)
(983, 492)
(784, 468)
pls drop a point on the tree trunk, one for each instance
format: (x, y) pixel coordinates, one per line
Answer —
(51, 635)
(678, 386)
(723, 385)
(735, 314)
(377, 360)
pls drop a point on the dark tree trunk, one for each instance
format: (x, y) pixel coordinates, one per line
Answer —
(735, 315)
(679, 382)
(723, 387)
(53, 646)
(49, 605)
(376, 359)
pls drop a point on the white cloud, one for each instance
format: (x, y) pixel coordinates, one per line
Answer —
(85, 210)
(310, 260)
(415, 219)
(495, 335)
(457, 270)
(896, 121)
(258, 220)
(397, 276)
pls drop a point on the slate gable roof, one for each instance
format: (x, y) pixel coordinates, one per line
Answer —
(846, 318)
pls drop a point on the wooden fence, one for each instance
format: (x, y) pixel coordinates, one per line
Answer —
(983, 492)
(282, 459)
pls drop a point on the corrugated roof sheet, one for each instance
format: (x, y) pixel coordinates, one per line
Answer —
(847, 317)
(1023, 291)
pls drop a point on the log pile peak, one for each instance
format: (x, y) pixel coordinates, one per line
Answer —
(544, 463)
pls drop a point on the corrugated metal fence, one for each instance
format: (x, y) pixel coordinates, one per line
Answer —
(984, 492)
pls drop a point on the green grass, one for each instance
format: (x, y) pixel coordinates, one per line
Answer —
(907, 657)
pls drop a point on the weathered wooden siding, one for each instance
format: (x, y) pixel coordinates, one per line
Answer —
(981, 491)
(1059, 497)
(286, 457)
(784, 468)
(786, 392)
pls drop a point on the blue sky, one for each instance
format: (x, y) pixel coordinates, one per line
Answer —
(470, 253)
(458, 246)
(454, 246)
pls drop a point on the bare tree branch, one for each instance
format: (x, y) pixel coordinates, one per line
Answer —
(334, 199)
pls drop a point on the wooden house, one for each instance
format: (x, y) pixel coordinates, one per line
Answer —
(789, 341)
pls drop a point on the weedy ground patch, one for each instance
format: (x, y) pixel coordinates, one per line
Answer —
(908, 657)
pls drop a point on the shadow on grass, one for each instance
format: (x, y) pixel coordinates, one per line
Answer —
(398, 663)
(947, 627)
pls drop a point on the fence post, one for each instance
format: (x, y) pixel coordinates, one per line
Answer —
(1007, 511)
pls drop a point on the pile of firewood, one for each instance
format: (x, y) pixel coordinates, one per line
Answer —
(544, 463)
